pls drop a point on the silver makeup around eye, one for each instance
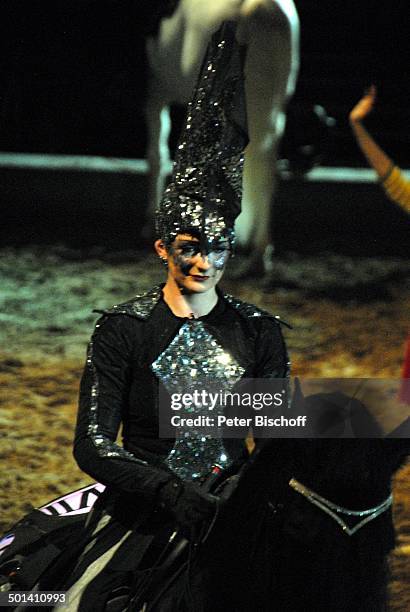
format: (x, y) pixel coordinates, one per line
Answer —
(217, 252)
(218, 258)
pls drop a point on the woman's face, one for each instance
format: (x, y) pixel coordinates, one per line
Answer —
(194, 267)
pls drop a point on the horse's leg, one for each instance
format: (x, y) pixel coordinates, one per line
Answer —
(163, 53)
(271, 34)
(158, 157)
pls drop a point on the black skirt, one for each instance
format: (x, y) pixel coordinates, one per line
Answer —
(103, 558)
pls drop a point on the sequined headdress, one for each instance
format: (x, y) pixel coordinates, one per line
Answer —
(206, 185)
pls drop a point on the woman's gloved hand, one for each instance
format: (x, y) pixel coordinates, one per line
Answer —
(188, 505)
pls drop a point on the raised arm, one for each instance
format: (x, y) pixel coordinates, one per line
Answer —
(374, 154)
(396, 186)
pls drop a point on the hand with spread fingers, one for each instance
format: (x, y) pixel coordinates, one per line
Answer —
(365, 105)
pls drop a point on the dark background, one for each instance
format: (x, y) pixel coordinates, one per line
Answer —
(72, 81)
(345, 47)
(73, 72)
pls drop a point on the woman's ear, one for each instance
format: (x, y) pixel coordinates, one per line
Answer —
(161, 249)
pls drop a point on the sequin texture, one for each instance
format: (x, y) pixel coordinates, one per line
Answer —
(140, 306)
(206, 185)
(195, 360)
(251, 311)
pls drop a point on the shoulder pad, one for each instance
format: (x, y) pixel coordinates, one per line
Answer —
(139, 307)
(251, 311)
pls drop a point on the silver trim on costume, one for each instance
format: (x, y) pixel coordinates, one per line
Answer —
(142, 305)
(251, 311)
(331, 509)
(106, 448)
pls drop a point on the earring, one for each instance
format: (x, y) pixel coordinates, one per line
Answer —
(164, 261)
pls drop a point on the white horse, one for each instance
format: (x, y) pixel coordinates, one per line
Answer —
(270, 30)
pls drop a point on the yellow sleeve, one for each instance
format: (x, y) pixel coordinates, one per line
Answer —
(398, 188)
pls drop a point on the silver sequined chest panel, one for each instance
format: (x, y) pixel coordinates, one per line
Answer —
(195, 360)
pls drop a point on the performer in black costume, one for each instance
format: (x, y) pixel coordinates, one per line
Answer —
(172, 336)
(309, 525)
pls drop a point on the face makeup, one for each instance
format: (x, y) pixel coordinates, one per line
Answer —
(184, 251)
(197, 266)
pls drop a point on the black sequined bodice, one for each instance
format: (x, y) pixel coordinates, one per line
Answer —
(140, 347)
(184, 355)
(193, 360)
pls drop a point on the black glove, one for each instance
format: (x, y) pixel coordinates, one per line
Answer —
(188, 505)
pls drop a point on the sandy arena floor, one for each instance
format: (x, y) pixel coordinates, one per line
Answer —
(350, 319)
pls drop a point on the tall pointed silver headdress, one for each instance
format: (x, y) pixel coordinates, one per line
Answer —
(206, 185)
